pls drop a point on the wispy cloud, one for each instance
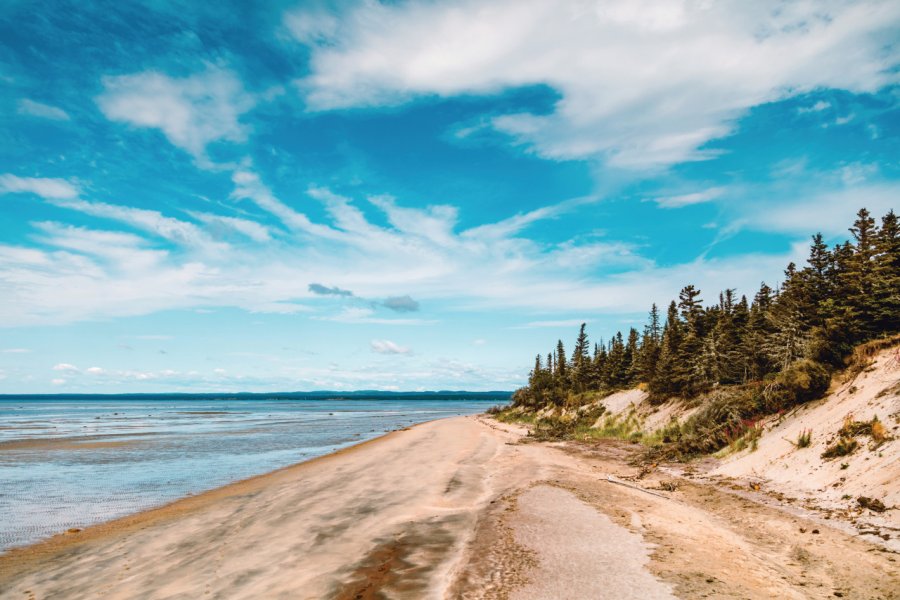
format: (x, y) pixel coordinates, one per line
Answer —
(421, 251)
(192, 112)
(683, 200)
(44, 111)
(819, 106)
(554, 323)
(388, 347)
(355, 315)
(218, 223)
(49, 188)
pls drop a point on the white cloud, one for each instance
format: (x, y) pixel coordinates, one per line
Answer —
(151, 221)
(494, 265)
(16, 351)
(58, 381)
(643, 84)
(45, 111)
(844, 120)
(250, 229)
(554, 324)
(683, 200)
(817, 107)
(95, 371)
(192, 112)
(367, 315)
(388, 347)
(49, 188)
(830, 212)
(66, 367)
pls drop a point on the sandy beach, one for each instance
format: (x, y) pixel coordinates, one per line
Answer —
(462, 508)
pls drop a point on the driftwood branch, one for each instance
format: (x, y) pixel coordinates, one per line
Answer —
(611, 479)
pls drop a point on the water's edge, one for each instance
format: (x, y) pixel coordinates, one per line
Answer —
(77, 466)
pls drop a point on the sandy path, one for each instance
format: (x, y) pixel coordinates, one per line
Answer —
(583, 554)
(457, 508)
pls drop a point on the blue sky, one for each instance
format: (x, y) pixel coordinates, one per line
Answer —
(411, 195)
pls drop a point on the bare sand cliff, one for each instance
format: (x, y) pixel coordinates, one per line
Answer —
(461, 508)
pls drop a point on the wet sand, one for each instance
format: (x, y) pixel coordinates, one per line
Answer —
(459, 508)
(86, 442)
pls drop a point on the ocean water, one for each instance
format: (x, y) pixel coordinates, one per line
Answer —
(67, 463)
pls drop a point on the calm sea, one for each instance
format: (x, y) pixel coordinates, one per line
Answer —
(68, 463)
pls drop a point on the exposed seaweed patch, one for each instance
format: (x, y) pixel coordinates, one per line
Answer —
(401, 565)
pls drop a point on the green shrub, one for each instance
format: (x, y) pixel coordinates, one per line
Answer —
(842, 447)
(804, 439)
(802, 381)
(725, 417)
(562, 428)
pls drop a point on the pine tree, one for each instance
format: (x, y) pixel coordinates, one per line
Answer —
(758, 330)
(723, 346)
(648, 355)
(841, 297)
(663, 383)
(690, 305)
(581, 362)
(886, 292)
(860, 278)
(616, 366)
(632, 358)
(816, 278)
(562, 370)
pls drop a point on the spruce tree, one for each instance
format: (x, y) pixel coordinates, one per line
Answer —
(632, 358)
(860, 277)
(581, 372)
(886, 292)
(562, 370)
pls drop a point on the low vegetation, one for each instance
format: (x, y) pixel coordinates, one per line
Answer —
(842, 447)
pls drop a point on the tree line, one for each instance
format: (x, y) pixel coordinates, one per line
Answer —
(843, 296)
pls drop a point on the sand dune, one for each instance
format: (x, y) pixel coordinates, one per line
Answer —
(457, 508)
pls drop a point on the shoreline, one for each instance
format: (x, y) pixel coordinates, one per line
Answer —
(460, 507)
(172, 509)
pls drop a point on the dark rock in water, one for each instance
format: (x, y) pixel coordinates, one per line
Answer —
(871, 503)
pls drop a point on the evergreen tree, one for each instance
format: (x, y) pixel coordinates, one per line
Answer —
(690, 305)
(581, 362)
(632, 359)
(562, 370)
(616, 366)
(860, 280)
(886, 292)
(648, 354)
(662, 383)
(724, 345)
(758, 330)
(839, 298)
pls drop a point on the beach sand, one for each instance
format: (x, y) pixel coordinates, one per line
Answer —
(460, 508)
